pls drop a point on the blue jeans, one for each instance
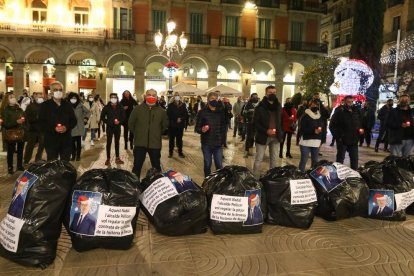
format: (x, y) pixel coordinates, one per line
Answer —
(403, 149)
(304, 155)
(212, 151)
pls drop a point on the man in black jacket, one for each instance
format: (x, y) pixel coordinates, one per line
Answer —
(400, 128)
(368, 122)
(324, 116)
(128, 103)
(382, 116)
(34, 134)
(267, 121)
(57, 119)
(346, 127)
(178, 116)
(247, 113)
(211, 124)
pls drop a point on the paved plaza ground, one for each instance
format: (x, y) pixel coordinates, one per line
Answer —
(354, 246)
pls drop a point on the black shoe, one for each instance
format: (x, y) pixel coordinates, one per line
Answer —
(331, 145)
(280, 155)
(376, 149)
(131, 145)
(234, 135)
(20, 168)
(78, 158)
(289, 156)
(10, 170)
(126, 146)
(72, 158)
(181, 155)
(320, 154)
(170, 155)
(242, 140)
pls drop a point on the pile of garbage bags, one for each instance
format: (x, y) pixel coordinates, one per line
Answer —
(290, 197)
(341, 191)
(174, 203)
(235, 201)
(102, 210)
(30, 231)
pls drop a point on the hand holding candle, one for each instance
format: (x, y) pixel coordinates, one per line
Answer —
(408, 123)
(361, 131)
(116, 122)
(205, 128)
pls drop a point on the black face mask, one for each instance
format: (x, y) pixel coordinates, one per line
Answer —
(314, 109)
(254, 100)
(271, 97)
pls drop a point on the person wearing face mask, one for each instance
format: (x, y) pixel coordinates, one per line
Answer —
(128, 103)
(13, 119)
(212, 125)
(93, 122)
(81, 113)
(57, 119)
(346, 127)
(237, 108)
(368, 122)
(177, 118)
(268, 124)
(34, 135)
(147, 122)
(400, 128)
(248, 112)
(113, 114)
(382, 116)
(289, 126)
(325, 114)
(311, 126)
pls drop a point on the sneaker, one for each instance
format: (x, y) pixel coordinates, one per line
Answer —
(107, 162)
(92, 143)
(119, 161)
(82, 144)
(181, 155)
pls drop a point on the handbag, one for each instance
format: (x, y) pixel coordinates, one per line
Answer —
(14, 135)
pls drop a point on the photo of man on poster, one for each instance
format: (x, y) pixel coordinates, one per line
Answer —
(327, 177)
(181, 182)
(83, 222)
(255, 215)
(380, 204)
(21, 189)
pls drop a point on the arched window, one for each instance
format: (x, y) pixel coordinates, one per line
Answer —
(39, 11)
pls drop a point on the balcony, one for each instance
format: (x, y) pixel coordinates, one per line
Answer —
(263, 43)
(42, 29)
(235, 2)
(306, 47)
(117, 34)
(199, 39)
(307, 6)
(340, 50)
(392, 3)
(232, 41)
(268, 3)
(391, 37)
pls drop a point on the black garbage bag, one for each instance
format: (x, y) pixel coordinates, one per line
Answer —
(390, 184)
(342, 192)
(36, 213)
(290, 197)
(103, 209)
(235, 201)
(174, 203)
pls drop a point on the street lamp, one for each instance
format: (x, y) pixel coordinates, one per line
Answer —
(170, 46)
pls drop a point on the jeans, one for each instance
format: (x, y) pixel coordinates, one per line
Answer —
(249, 136)
(59, 149)
(236, 124)
(116, 133)
(76, 146)
(140, 154)
(11, 149)
(352, 151)
(32, 139)
(402, 150)
(176, 136)
(260, 151)
(212, 151)
(288, 143)
(304, 155)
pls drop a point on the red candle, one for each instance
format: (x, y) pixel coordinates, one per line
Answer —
(207, 127)
(408, 123)
(320, 128)
(361, 130)
(59, 125)
(1, 121)
(116, 121)
(22, 118)
(274, 131)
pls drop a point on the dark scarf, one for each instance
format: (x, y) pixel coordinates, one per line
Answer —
(288, 108)
(271, 107)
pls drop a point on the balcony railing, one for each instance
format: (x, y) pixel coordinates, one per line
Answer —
(390, 37)
(233, 41)
(237, 2)
(307, 6)
(392, 3)
(262, 43)
(306, 46)
(200, 39)
(41, 29)
(268, 3)
(118, 34)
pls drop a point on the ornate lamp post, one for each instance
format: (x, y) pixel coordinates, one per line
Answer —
(170, 46)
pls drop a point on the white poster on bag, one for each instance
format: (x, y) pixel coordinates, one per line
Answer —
(302, 192)
(403, 200)
(158, 192)
(10, 228)
(229, 208)
(114, 221)
(344, 172)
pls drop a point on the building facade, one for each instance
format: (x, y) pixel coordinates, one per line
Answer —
(104, 46)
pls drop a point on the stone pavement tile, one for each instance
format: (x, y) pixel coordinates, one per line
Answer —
(395, 268)
(248, 245)
(343, 271)
(168, 250)
(299, 242)
(32, 272)
(295, 261)
(208, 248)
(108, 270)
(360, 223)
(259, 264)
(330, 258)
(217, 266)
(173, 268)
(386, 235)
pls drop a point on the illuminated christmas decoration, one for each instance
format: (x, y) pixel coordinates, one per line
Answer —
(406, 51)
(352, 77)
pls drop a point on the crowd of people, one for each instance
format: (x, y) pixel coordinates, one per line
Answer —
(59, 122)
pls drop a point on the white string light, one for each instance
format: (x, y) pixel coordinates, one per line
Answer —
(406, 51)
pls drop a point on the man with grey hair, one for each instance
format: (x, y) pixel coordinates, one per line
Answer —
(212, 125)
(57, 119)
(147, 122)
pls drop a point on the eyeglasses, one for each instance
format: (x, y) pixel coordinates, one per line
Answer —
(56, 89)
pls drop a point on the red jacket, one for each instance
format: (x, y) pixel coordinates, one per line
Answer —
(288, 120)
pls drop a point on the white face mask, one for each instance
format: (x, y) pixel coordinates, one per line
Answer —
(12, 101)
(58, 95)
(90, 99)
(177, 98)
(114, 100)
(39, 100)
(73, 101)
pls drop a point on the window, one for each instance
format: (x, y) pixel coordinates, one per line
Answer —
(264, 32)
(296, 35)
(337, 41)
(196, 28)
(81, 16)
(232, 30)
(158, 20)
(396, 23)
(39, 11)
(338, 17)
(348, 38)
